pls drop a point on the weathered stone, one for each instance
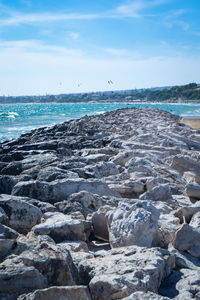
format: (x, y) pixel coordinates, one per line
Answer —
(195, 221)
(6, 184)
(133, 224)
(59, 293)
(60, 189)
(182, 284)
(3, 216)
(83, 201)
(100, 224)
(161, 192)
(168, 226)
(129, 189)
(188, 239)
(118, 273)
(193, 191)
(22, 215)
(186, 212)
(53, 262)
(13, 168)
(62, 227)
(145, 296)
(74, 246)
(16, 278)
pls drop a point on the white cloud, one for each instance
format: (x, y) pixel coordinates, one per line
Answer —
(128, 9)
(135, 8)
(40, 70)
(34, 18)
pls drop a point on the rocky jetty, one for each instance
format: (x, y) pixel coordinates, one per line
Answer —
(101, 208)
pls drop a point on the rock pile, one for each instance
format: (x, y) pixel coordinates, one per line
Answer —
(105, 207)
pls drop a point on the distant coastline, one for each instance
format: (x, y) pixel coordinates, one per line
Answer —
(189, 93)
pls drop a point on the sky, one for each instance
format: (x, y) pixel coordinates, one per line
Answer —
(74, 46)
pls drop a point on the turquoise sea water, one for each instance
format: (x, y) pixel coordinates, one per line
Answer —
(16, 119)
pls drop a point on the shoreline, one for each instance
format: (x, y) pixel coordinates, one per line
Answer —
(194, 122)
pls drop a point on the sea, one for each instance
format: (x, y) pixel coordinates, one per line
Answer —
(16, 119)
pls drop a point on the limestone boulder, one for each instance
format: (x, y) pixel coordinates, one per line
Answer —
(193, 191)
(168, 226)
(62, 227)
(195, 221)
(3, 216)
(182, 284)
(118, 273)
(129, 188)
(100, 223)
(59, 293)
(132, 224)
(8, 238)
(186, 212)
(161, 192)
(83, 201)
(17, 278)
(58, 190)
(22, 216)
(6, 184)
(188, 239)
(145, 296)
(41, 252)
(102, 169)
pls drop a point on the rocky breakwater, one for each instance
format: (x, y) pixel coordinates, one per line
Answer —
(104, 207)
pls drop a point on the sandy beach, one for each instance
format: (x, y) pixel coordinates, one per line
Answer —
(194, 122)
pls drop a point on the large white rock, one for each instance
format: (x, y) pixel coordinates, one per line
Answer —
(188, 239)
(132, 224)
(118, 273)
(62, 227)
(161, 192)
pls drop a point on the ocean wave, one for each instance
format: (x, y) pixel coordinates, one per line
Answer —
(9, 114)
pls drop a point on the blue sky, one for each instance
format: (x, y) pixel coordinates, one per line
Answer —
(50, 46)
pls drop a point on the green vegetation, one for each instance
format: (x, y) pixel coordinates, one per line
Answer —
(185, 93)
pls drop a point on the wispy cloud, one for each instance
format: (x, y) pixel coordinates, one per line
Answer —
(174, 19)
(38, 46)
(135, 8)
(19, 18)
(128, 9)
